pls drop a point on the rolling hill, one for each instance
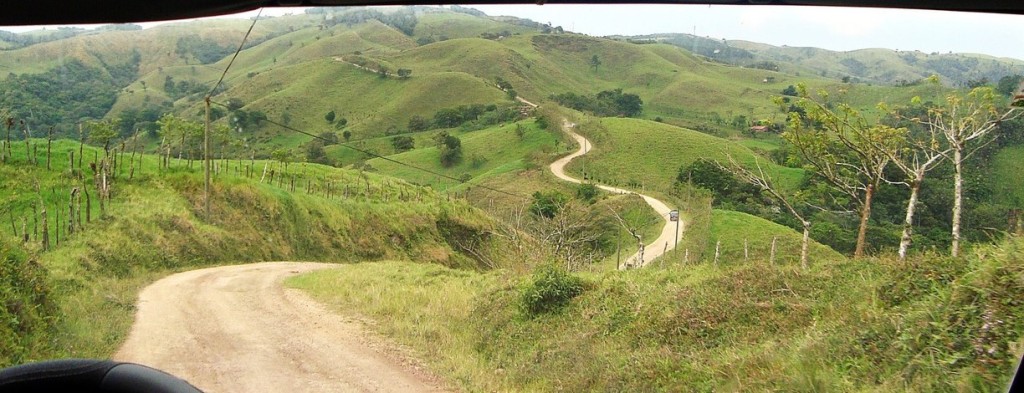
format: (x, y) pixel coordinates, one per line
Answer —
(875, 65)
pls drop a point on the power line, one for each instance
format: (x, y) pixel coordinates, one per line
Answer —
(375, 155)
(237, 51)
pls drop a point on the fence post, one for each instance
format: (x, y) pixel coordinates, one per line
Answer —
(718, 246)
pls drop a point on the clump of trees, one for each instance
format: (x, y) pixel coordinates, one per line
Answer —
(605, 103)
(204, 50)
(182, 88)
(63, 95)
(466, 116)
(404, 21)
(403, 143)
(450, 147)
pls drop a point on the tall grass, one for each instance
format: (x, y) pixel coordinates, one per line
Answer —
(155, 224)
(929, 324)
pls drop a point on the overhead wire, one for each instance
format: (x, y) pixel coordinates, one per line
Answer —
(235, 56)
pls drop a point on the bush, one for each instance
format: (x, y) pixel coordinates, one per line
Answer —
(587, 192)
(547, 204)
(550, 289)
(28, 312)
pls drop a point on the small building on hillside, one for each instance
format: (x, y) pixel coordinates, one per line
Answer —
(756, 129)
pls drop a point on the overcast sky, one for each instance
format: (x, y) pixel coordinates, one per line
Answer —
(823, 27)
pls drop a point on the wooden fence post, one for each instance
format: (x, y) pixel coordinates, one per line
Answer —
(718, 246)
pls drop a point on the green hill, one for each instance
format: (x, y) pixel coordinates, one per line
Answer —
(486, 153)
(641, 154)
(879, 66)
(101, 252)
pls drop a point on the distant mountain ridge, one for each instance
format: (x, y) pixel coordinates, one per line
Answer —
(868, 65)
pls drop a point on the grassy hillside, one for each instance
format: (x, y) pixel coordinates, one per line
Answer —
(1007, 166)
(154, 224)
(640, 154)
(372, 105)
(841, 326)
(875, 65)
(733, 229)
(487, 152)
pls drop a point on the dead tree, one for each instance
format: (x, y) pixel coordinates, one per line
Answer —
(764, 182)
(635, 233)
(569, 234)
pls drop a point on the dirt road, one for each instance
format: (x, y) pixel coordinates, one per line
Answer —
(236, 329)
(666, 239)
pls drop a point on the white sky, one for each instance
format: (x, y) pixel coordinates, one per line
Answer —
(823, 27)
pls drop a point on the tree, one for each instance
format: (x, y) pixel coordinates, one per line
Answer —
(790, 91)
(595, 62)
(403, 143)
(329, 138)
(347, 135)
(329, 117)
(404, 73)
(915, 158)
(448, 118)
(1008, 84)
(967, 123)
(103, 132)
(761, 180)
(235, 104)
(844, 148)
(315, 152)
(547, 204)
(587, 192)
(450, 147)
(418, 123)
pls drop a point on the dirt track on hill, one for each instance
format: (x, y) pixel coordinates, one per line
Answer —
(237, 329)
(665, 241)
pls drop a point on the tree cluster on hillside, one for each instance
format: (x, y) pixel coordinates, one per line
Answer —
(22, 40)
(714, 49)
(467, 10)
(402, 20)
(900, 182)
(450, 147)
(466, 116)
(605, 103)
(204, 50)
(183, 88)
(63, 95)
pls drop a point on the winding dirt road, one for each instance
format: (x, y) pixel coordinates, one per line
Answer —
(665, 242)
(237, 329)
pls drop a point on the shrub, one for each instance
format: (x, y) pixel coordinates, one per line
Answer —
(587, 192)
(550, 289)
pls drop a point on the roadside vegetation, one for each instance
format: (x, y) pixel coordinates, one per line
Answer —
(421, 166)
(76, 267)
(875, 325)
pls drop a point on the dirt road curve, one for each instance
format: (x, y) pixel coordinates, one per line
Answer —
(666, 240)
(236, 329)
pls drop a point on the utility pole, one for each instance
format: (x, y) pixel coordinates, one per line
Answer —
(584, 160)
(206, 159)
(674, 216)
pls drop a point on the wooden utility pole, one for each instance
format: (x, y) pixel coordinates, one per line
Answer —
(206, 159)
